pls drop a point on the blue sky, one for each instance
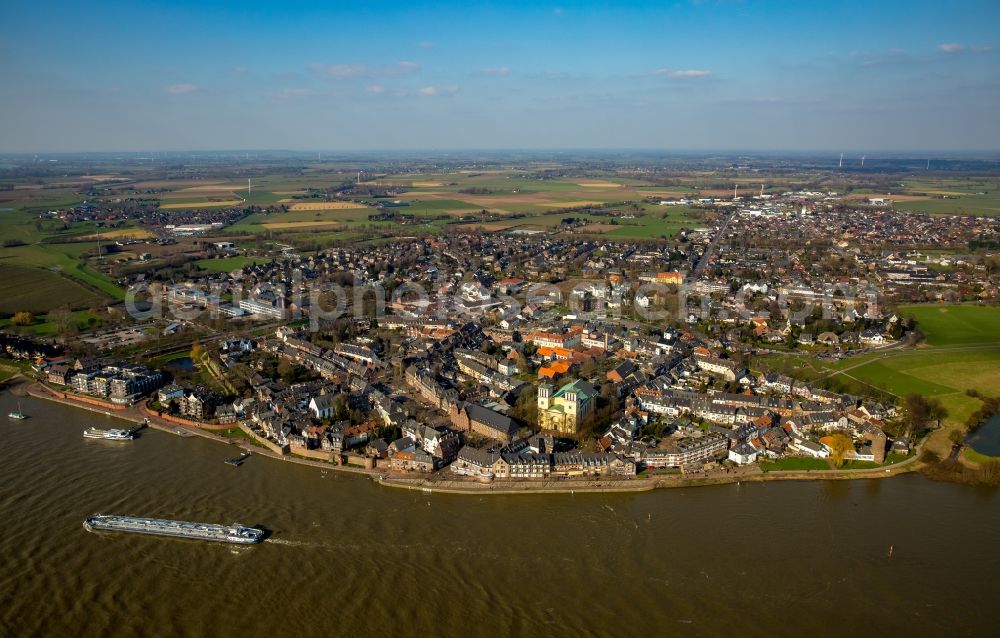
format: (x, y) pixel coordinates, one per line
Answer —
(681, 75)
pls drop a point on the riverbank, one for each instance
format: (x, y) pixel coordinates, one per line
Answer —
(139, 412)
(437, 483)
(573, 486)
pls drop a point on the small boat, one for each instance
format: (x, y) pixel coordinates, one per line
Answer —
(237, 461)
(108, 435)
(17, 414)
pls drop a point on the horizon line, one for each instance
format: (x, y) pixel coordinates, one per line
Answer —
(917, 153)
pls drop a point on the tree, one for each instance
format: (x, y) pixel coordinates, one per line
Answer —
(956, 437)
(526, 407)
(197, 351)
(286, 370)
(64, 321)
(22, 319)
(840, 445)
(341, 410)
(919, 410)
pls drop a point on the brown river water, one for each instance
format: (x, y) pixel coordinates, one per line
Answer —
(350, 558)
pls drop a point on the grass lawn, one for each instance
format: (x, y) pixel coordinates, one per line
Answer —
(801, 463)
(44, 328)
(895, 457)
(234, 433)
(228, 264)
(659, 222)
(978, 457)
(859, 465)
(902, 376)
(956, 324)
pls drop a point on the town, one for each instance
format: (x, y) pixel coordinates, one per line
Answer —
(531, 355)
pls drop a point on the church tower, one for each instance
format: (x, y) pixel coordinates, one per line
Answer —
(544, 393)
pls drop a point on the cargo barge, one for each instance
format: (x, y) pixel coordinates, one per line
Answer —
(234, 533)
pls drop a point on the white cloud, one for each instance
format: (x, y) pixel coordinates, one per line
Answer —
(347, 71)
(431, 91)
(497, 71)
(375, 89)
(985, 49)
(951, 47)
(180, 89)
(682, 74)
(425, 45)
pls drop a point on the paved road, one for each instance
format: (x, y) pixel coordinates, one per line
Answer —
(712, 245)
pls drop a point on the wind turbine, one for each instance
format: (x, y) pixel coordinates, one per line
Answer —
(862, 161)
(735, 188)
(841, 164)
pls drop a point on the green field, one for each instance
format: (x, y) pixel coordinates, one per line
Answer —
(987, 205)
(937, 372)
(659, 222)
(947, 325)
(38, 291)
(65, 258)
(228, 264)
(953, 196)
(45, 328)
(50, 244)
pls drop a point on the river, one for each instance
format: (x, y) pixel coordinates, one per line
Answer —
(348, 557)
(986, 438)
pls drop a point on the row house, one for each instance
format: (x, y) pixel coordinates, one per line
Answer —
(686, 453)
(415, 460)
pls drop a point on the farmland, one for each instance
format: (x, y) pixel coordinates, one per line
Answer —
(200, 204)
(950, 196)
(545, 196)
(323, 205)
(37, 290)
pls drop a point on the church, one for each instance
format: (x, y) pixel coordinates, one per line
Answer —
(564, 411)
